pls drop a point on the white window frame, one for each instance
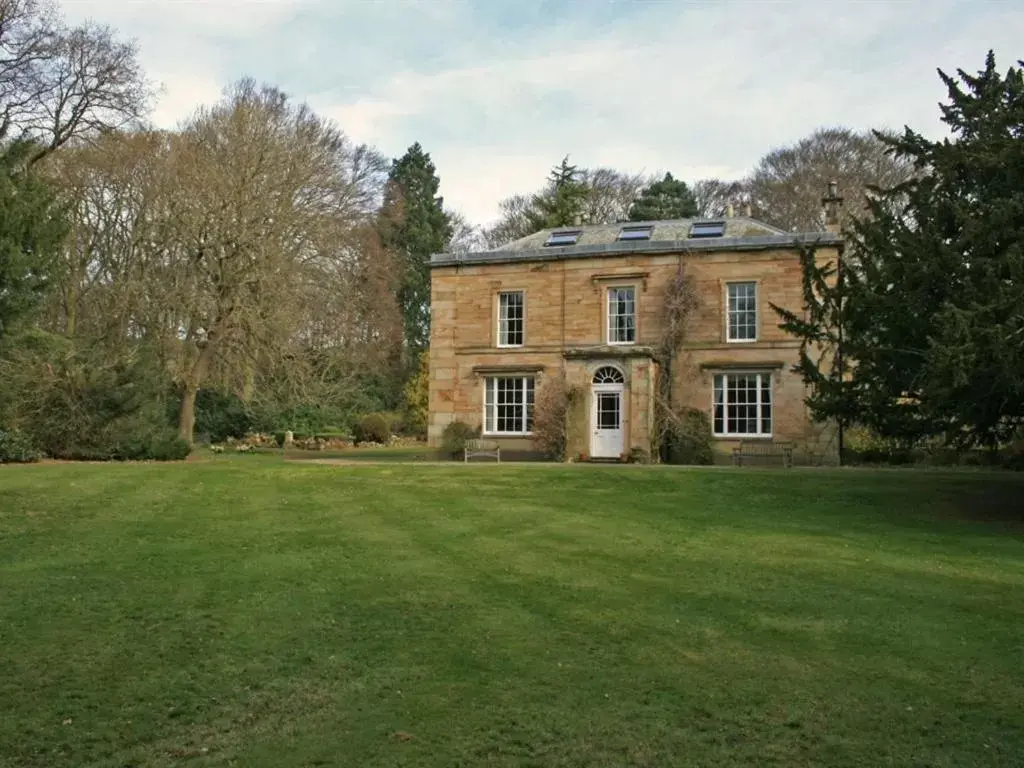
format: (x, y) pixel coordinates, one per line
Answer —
(730, 312)
(491, 391)
(503, 318)
(759, 403)
(608, 314)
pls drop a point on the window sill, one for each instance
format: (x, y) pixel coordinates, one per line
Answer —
(506, 434)
(742, 437)
(621, 343)
(741, 341)
(510, 346)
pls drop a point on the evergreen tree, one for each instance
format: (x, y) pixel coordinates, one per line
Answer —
(414, 225)
(31, 231)
(562, 202)
(669, 198)
(927, 313)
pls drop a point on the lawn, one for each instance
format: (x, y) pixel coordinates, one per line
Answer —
(251, 612)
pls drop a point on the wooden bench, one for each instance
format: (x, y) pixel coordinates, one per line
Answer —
(762, 449)
(482, 448)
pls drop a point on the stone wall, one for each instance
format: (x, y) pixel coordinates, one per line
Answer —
(565, 334)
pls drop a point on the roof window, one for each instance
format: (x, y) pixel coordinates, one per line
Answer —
(563, 237)
(641, 232)
(707, 229)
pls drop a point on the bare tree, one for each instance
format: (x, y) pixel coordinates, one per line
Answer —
(715, 196)
(787, 184)
(271, 196)
(610, 194)
(465, 237)
(60, 83)
(513, 221)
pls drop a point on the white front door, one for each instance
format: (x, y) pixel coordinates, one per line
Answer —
(607, 439)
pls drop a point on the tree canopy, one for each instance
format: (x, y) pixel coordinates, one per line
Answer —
(922, 322)
(415, 225)
(32, 229)
(668, 198)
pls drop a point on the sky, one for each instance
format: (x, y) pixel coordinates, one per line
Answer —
(499, 91)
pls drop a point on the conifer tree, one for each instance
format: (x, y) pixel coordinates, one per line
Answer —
(414, 225)
(928, 310)
(669, 198)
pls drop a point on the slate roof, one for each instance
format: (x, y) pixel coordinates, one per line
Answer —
(672, 229)
(672, 236)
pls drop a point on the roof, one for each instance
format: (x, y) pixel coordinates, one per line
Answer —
(672, 229)
(671, 236)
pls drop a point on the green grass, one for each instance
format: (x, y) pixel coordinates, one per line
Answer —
(250, 612)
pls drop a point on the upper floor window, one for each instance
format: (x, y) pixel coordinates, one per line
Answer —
(622, 315)
(511, 319)
(741, 314)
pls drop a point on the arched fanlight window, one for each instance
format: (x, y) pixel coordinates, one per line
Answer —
(609, 375)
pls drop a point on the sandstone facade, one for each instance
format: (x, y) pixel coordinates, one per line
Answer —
(566, 335)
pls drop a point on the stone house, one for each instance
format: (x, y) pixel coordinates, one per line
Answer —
(587, 303)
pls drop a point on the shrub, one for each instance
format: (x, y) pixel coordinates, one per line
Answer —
(220, 415)
(373, 428)
(395, 422)
(415, 397)
(15, 448)
(862, 446)
(1012, 456)
(88, 401)
(550, 411)
(688, 437)
(168, 447)
(455, 437)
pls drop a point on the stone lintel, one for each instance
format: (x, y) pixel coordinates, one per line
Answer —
(742, 365)
(492, 370)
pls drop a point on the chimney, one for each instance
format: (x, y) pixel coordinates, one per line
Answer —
(729, 211)
(747, 211)
(833, 205)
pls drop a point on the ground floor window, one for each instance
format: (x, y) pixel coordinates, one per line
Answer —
(743, 405)
(508, 405)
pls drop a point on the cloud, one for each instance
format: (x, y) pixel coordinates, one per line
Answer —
(499, 94)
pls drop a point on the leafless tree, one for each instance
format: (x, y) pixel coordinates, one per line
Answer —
(513, 221)
(715, 196)
(465, 237)
(60, 83)
(787, 185)
(610, 194)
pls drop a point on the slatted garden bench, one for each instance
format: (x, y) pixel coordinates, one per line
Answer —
(762, 449)
(482, 448)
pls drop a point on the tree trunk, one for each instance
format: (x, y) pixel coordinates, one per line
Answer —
(248, 383)
(187, 412)
(71, 314)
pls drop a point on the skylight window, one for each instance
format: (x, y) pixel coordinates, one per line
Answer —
(565, 237)
(707, 229)
(636, 233)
